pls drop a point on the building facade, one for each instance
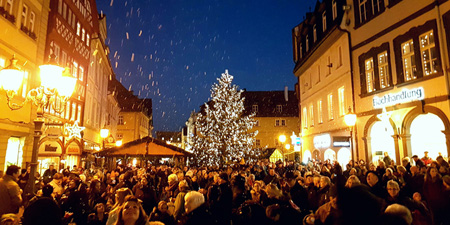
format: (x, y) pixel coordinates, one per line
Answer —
(23, 22)
(322, 65)
(400, 58)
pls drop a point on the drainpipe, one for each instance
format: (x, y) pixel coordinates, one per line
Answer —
(343, 27)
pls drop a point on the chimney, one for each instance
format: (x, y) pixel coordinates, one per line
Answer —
(286, 93)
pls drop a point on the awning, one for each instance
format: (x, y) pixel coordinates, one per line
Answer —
(146, 146)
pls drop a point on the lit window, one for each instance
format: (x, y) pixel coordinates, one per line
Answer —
(83, 34)
(2, 63)
(370, 75)
(428, 53)
(362, 11)
(330, 107)
(305, 117)
(63, 58)
(56, 50)
(81, 74)
(341, 101)
(408, 60)
(75, 69)
(383, 69)
(24, 15)
(319, 112)
(324, 21)
(87, 39)
(334, 10)
(314, 33)
(78, 28)
(311, 115)
(31, 22)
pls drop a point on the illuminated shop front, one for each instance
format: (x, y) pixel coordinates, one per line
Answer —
(14, 152)
(327, 147)
(410, 127)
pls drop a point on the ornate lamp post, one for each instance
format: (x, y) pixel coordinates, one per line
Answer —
(57, 86)
(350, 121)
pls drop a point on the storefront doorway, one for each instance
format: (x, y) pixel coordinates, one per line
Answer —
(307, 156)
(14, 152)
(426, 135)
(329, 155)
(381, 141)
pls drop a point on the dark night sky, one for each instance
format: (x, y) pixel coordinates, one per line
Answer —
(173, 50)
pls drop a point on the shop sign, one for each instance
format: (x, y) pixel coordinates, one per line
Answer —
(322, 141)
(73, 149)
(50, 147)
(340, 141)
(406, 95)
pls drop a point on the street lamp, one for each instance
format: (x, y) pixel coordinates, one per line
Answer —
(104, 133)
(350, 121)
(56, 88)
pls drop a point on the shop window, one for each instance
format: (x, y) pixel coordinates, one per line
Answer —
(319, 112)
(14, 152)
(324, 21)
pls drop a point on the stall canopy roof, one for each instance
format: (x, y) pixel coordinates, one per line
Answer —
(139, 148)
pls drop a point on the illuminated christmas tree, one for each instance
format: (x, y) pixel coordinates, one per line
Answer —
(222, 129)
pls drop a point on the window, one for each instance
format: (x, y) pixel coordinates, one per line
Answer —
(78, 113)
(428, 53)
(370, 75)
(119, 136)
(319, 112)
(330, 107)
(120, 120)
(73, 21)
(78, 28)
(311, 115)
(279, 108)
(301, 50)
(324, 21)
(63, 58)
(83, 34)
(74, 111)
(69, 17)
(64, 12)
(318, 74)
(87, 39)
(408, 60)
(279, 123)
(329, 65)
(31, 22)
(341, 101)
(258, 142)
(376, 6)
(24, 15)
(307, 43)
(334, 9)
(56, 52)
(60, 6)
(383, 69)
(305, 117)
(339, 56)
(283, 123)
(314, 33)
(75, 69)
(362, 11)
(81, 74)
(255, 108)
(9, 6)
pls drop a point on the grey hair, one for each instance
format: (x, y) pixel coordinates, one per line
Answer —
(400, 211)
(197, 199)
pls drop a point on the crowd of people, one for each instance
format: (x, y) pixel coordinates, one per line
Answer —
(415, 192)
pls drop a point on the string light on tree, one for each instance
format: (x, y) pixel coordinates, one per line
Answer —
(222, 128)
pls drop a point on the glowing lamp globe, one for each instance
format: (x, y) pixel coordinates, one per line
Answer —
(11, 77)
(287, 146)
(51, 76)
(350, 119)
(119, 143)
(104, 133)
(282, 138)
(67, 84)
